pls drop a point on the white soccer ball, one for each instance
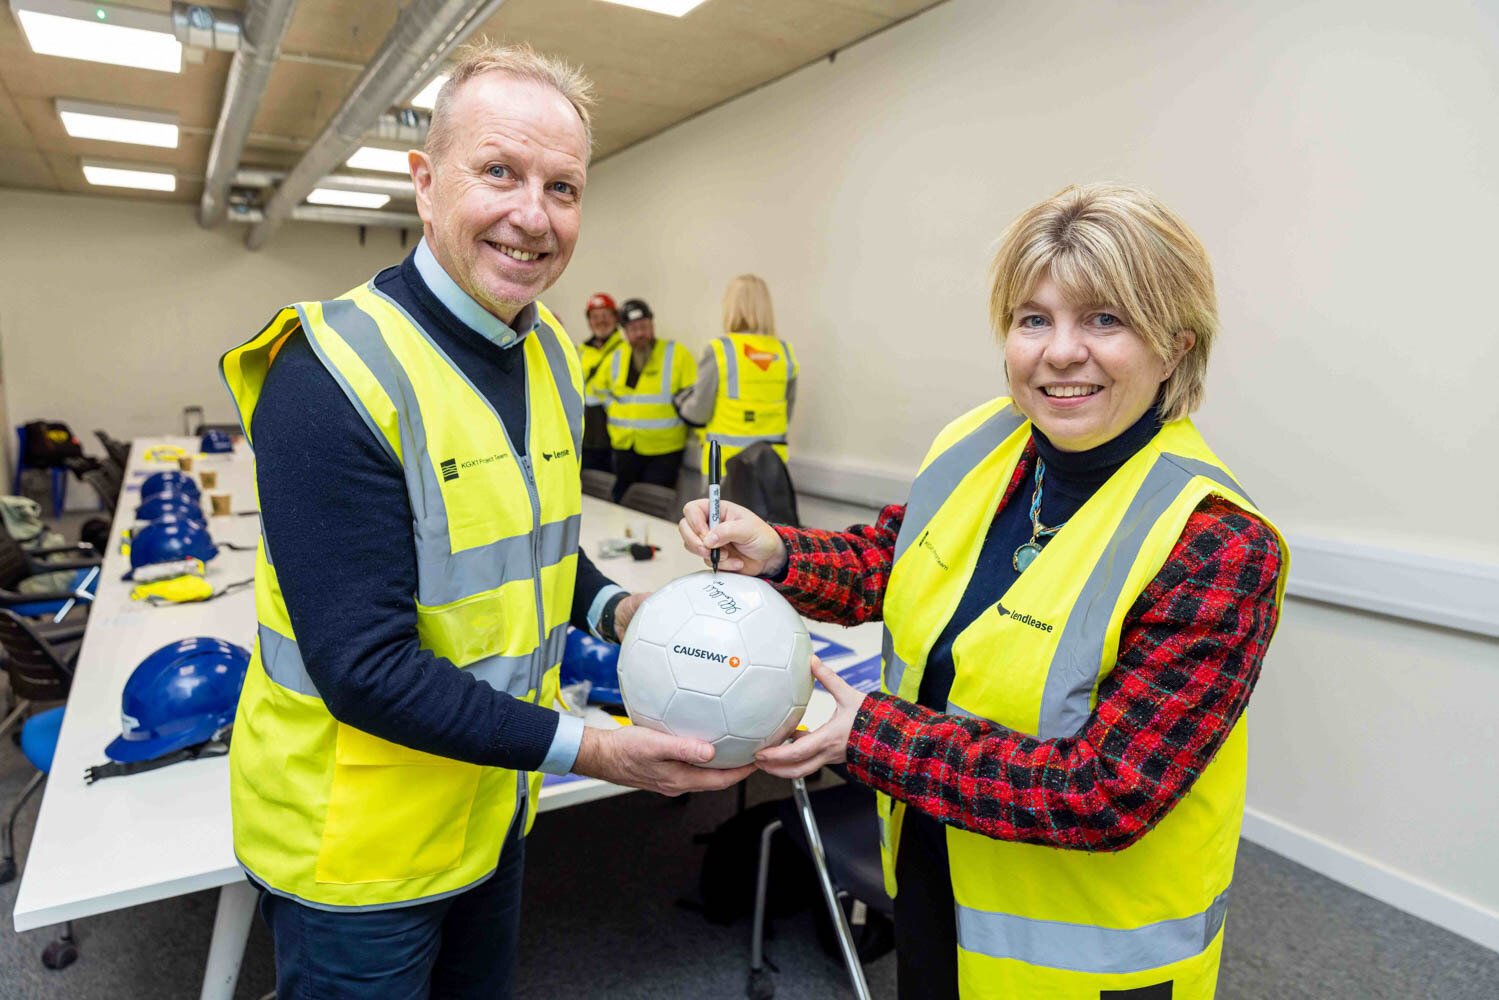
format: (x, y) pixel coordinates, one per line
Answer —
(721, 658)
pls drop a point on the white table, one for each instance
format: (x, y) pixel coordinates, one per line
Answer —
(158, 834)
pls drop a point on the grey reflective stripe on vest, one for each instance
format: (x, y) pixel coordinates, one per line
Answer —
(445, 576)
(668, 356)
(1086, 948)
(930, 491)
(745, 440)
(650, 425)
(512, 674)
(282, 660)
(283, 664)
(572, 401)
(730, 369)
(1066, 701)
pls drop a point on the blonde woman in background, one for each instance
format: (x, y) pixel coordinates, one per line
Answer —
(746, 379)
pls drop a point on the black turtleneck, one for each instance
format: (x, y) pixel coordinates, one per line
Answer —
(1071, 478)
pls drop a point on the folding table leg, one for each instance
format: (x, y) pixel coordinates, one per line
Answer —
(231, 929)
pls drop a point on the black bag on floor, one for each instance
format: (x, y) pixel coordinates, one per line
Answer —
(872, 931)
(732, 861)
(50, 443)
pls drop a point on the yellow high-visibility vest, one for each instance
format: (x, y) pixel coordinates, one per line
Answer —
(593, 360)
(643, 419)
(754, 373)
(334, 816)
(1037, 922)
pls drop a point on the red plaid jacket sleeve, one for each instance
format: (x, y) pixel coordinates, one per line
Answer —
(1190, 655)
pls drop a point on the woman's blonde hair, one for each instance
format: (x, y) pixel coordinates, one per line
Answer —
(746, 307)
(1117, 246)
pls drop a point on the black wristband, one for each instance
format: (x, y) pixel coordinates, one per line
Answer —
(606, 618)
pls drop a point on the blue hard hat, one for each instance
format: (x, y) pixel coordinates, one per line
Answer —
(178, 696)
(194, 518)
(162, 482)
(590, 659)
(170, 502)
(167, 540)
(216, 442)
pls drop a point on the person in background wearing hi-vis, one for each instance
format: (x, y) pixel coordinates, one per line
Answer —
(593, 353)
(646, 432)
(1077, 599)
(746, 379)
(416, 443)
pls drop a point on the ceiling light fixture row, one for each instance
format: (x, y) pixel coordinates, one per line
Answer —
(125, 36)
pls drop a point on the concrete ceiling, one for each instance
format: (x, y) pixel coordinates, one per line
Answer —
(651, 72)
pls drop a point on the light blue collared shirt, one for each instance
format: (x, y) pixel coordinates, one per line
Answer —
(468, 310)
(563, 752)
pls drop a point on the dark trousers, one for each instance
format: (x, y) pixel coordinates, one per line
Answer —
(632, 467)
(463, 946)
(926, 926)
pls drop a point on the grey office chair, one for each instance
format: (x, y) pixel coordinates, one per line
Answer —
(838, 829)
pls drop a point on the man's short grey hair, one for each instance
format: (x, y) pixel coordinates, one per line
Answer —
(520, 61)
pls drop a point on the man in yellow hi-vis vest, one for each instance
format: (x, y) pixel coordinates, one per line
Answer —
(647, 434)
(417, 443)
(605, 337)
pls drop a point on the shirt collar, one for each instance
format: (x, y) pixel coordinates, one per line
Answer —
(468, 311)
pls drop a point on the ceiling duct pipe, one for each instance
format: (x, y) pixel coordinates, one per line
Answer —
(396, 187)
(335, 214)
(265, 26)
(424, 35)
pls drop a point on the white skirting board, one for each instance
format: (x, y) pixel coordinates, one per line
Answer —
(1433, 590)
(1398, 889)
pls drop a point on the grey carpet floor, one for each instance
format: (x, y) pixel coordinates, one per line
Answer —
(602, 920)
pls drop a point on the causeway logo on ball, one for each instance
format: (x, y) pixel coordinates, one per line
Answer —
(706, 654)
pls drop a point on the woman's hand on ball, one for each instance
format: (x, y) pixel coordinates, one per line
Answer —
(746, 544)
(828, 743)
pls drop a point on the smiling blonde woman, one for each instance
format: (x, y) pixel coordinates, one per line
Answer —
(1077, 598)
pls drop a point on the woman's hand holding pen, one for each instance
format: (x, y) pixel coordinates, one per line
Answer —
(745, 543)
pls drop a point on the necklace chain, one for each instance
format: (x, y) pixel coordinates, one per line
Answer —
(1027, 553)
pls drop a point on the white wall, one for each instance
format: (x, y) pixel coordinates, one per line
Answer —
(114, 313)
(1337, 158)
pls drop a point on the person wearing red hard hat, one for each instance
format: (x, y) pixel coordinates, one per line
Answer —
(604, 336)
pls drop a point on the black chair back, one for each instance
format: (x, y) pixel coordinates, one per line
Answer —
(14, 565)
(598, 483)
(648, 498)
(757, 478)
(117, 450)
(38, 670)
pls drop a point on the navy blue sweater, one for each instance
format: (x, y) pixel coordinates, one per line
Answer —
(338, 524)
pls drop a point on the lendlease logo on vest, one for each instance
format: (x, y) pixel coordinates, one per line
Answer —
(549, 455)
(450, 466)
(1022, 618)
(925, 542)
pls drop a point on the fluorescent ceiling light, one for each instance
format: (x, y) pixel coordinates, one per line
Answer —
(85, 120)
(426, 98)
(120, 36)
(676, 8)
(114, 175)
(347, 199)
(391, 161)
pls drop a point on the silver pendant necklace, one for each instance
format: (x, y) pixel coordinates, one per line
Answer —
(1040, 534)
